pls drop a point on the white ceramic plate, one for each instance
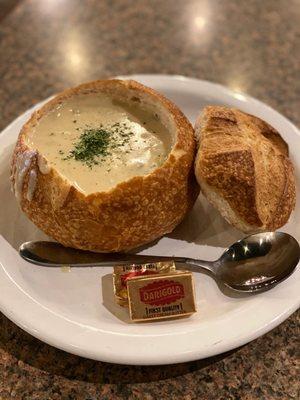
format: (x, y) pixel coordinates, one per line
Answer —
(72, 310)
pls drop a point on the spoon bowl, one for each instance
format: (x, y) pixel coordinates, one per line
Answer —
(258, 262)
(253, 264)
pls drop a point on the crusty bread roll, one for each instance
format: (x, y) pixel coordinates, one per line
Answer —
(243, 169)
(131, 213)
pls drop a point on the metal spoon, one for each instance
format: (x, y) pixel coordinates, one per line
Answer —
(255, 263)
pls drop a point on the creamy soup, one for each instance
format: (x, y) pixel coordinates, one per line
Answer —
(96, 142)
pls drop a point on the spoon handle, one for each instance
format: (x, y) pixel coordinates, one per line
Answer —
(198, 265)
(51, 254)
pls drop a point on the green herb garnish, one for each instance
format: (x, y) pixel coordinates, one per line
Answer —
(92, 143)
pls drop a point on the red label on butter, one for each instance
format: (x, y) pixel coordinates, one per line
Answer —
(130, 275)
(161, 292)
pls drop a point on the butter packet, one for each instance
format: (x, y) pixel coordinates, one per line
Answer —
(123, 273)
(161, 296)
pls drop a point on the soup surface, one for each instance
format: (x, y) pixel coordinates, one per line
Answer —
(96, 142)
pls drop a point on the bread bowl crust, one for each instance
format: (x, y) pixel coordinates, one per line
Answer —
(129, 215)
(243, 169)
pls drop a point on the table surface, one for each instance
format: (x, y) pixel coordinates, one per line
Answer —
(247, 45)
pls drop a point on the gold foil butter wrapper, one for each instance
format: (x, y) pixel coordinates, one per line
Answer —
(161, 296)
(124, 272)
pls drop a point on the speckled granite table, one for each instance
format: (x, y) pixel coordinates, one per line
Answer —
(248, 45)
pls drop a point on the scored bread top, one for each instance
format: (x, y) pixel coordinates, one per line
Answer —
(243, 167)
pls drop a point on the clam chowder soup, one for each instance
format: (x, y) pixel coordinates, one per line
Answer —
(96, 142)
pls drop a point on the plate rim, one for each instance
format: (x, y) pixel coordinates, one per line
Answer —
(137, 359)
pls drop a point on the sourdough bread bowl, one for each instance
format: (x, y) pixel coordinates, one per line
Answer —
(243, 169)
(106, 166)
